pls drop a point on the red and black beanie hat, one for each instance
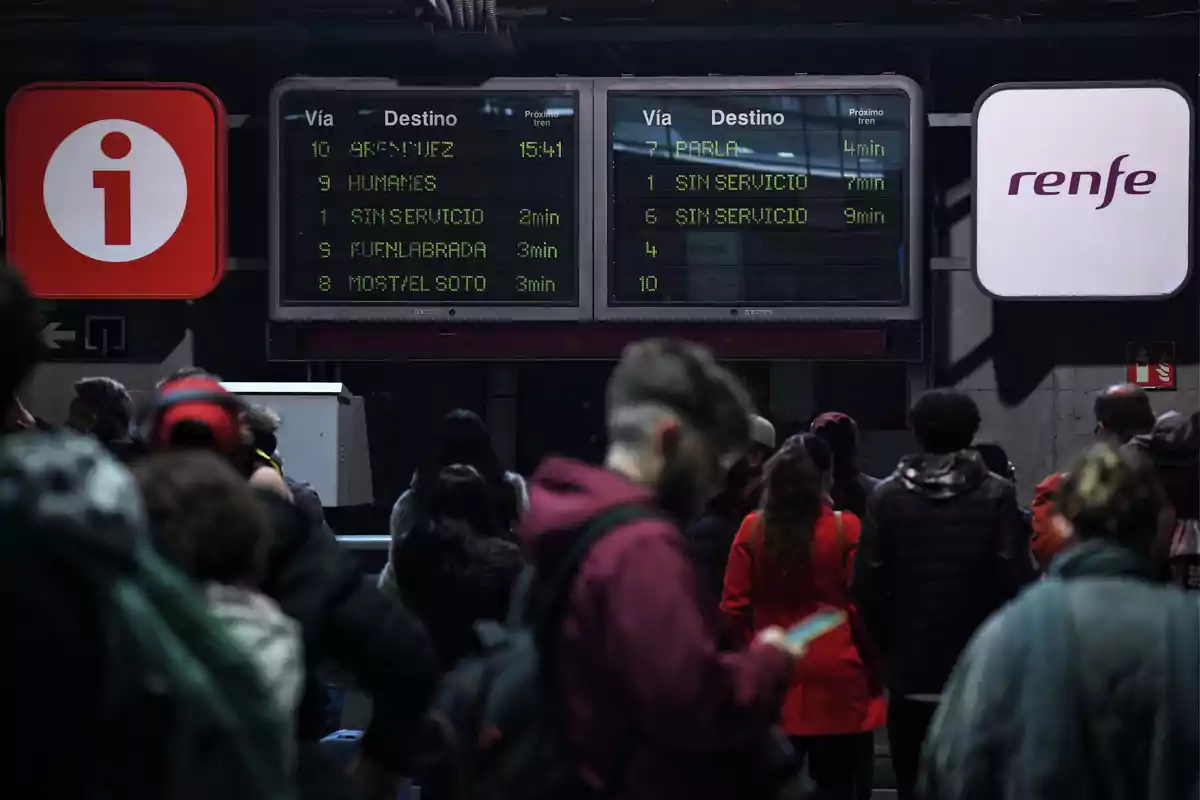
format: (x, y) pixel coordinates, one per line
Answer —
(195, 411)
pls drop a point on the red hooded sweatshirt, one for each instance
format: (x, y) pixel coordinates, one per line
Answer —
(651, 705)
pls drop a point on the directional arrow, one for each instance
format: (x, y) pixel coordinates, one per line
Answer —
(54, 338)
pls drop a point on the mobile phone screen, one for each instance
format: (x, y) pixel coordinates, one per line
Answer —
(812, 626)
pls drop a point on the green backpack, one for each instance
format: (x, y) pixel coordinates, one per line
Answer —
(185, 714)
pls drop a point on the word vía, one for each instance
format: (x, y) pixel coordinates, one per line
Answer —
(1049, 183)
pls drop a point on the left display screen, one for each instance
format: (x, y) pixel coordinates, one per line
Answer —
(396, 202)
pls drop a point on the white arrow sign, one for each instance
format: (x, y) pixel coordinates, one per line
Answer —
(54, 338)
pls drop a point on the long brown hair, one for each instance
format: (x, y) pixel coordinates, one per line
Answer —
(793, 501)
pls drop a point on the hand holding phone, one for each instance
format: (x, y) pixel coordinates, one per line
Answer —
(796, 639)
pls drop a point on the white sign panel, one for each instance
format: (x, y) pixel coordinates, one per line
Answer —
(1082, 192)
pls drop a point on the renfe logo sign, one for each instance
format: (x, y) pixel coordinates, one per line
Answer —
(1048, 182)
(1082, 192)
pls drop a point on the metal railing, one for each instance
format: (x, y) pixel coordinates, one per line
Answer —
(365, 542)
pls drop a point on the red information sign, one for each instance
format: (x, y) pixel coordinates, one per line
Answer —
(116, 190)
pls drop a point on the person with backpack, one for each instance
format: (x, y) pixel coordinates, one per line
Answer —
(369, 635)
(457, 565)
(1085, 686)
(608, 680)
(461, 438)
(119, 681)
(792, 559)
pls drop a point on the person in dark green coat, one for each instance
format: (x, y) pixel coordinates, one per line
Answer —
(1085, 686)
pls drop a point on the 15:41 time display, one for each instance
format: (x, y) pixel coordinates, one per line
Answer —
(541, 149)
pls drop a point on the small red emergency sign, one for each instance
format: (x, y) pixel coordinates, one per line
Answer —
(1151, 366)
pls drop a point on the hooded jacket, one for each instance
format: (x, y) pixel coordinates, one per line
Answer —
(650, 705)
(405, 513)
(451, 577)
(1085, 687)
(943, 545)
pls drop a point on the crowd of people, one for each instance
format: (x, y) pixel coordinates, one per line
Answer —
(172, 601)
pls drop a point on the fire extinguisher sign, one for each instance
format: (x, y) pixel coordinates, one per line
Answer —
(1151, 365)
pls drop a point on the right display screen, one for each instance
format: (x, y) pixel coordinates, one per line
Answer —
(763, 199)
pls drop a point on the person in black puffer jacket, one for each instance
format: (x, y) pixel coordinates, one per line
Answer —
(457, 566)
(943, 546)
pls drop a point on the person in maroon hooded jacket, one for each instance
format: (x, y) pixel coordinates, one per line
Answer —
(653, 709)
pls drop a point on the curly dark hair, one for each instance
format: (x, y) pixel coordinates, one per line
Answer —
(204, 517)
(793, 501)
(111, 404)
(944, 420)
(1113, 494)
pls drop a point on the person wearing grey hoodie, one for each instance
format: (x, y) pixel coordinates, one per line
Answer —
(462, 438)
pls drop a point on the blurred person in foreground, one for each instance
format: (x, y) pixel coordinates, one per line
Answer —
(1122, 412)
(103, 408)
(943, 546)
(207, 521)
(369, 635)
(711, 536)
(21, 347)
(651, 707)
(792, 559)
(1086, 686)
(1173, 447)
(140, 677)
(461, 438)
(457, 565)
(851, 486)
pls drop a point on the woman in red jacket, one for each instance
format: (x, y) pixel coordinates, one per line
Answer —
(790, 559)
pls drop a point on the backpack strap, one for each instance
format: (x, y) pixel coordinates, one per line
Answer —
(839, 529)
(544, 597)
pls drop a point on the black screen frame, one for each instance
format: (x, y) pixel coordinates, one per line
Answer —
(605, 310)
(441, 312)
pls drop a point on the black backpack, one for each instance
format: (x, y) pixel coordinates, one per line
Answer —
(494, 727)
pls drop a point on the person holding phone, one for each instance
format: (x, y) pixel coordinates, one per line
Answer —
(789, 567)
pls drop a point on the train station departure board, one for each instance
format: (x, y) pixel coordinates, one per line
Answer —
(759, 199)
(430, 203)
